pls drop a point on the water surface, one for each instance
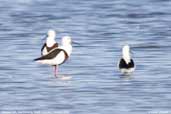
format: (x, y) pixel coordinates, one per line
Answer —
(96, 86)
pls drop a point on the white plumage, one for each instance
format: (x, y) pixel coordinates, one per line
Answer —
(57, 60)
(58, 55)
(50, 42)
(126, 63)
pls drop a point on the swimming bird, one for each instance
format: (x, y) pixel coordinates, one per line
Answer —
(50, 42)
(126, 63)
(58, 55)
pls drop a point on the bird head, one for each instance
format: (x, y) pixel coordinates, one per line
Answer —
(66, 40)
(51, 34)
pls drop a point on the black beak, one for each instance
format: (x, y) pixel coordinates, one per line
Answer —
(131, 52)
(44, 38)
(76, 43)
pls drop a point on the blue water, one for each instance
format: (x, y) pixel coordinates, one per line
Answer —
(95, 86)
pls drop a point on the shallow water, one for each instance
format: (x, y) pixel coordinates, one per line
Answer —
(93, 85)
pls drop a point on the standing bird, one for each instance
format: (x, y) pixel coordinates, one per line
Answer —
(50, 43)
(58, 55)
(126, 64)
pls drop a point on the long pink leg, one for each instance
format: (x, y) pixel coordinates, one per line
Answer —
(56, 71)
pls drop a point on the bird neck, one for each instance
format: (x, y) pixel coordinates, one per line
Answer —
(67, 48)
(127, 57)
(50, 41)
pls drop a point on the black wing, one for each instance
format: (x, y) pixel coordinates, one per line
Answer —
(51, 48)
(123, 64)
(44, 45)
(131, 64)
(48, 48)
(50, 55)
